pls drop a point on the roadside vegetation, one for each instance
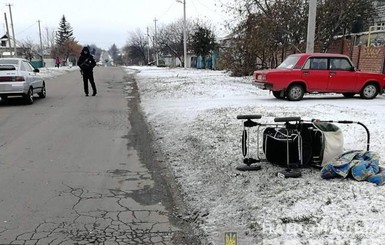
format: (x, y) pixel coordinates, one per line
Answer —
(270, 30)
(263, 32)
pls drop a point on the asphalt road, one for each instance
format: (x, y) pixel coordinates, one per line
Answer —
(81, 170)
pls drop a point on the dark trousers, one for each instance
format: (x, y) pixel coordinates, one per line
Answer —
(89, 76)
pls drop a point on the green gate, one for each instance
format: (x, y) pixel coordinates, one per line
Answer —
(37, 63)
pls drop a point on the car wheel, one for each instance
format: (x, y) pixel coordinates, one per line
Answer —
(348, 95)
(43, 92)
(369, 91)
(295, 92)
(28, 98)
(279, 94)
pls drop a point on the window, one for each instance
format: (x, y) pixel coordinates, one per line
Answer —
(27, 66)
(289, 62)
(340, 64)
(22, 67)
(316, 64)
(7, 68)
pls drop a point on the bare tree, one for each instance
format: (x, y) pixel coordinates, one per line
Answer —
(48, 37)
(170, 39)
(135, 49)
(28, 49)
(269, 30)
(69, 50)
(336, 18)
(73, 50)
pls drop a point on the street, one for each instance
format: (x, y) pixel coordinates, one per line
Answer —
(80, 170)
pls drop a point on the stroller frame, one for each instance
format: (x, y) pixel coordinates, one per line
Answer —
(284, 124)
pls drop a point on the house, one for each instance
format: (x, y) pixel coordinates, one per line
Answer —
(375, 36)
(7, 46)
(170, 60)
(7, 49)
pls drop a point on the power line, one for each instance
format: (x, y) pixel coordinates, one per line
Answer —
(208, 8)
(168, 9)
(20, 32)
(204, 5)
(194, 6)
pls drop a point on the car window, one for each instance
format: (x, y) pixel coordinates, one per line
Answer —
(316, 64)
(22, 67)
(27, 66)
(7, 68)
(340, 64)
(289, 62)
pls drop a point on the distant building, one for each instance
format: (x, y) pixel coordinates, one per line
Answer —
(376, 35)
(105, 59)
(7, 46)
(170, 60)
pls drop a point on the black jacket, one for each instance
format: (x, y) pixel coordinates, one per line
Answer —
(86, 61)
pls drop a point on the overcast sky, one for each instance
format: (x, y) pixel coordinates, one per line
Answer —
(102, 22)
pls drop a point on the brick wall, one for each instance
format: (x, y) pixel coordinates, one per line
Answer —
(370, 59)
(356, 55)
(341, 46)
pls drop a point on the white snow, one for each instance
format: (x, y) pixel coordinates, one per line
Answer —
(49, 72)
(193, 115)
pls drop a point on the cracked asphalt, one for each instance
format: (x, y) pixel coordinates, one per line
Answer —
(83, 170)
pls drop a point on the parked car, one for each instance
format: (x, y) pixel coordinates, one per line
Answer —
(318, 73)
(19, 78)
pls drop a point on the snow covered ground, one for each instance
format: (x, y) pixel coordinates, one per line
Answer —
(49, 72)
(193, 115)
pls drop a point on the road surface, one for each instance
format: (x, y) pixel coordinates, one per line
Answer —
(81, 170)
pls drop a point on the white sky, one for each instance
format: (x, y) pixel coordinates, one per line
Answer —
(102, 22)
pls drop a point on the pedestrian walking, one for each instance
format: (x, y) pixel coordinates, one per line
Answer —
(57, 61)
(86, 62)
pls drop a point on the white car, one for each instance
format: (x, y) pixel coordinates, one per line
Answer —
(19, 78)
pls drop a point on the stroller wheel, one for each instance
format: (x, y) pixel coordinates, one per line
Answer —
(249, 168)
(289, 173)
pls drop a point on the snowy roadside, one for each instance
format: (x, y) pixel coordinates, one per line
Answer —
(193, 115)
(49, 72)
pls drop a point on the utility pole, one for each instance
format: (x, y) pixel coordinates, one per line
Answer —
(184, 33)
(41, 45)
(13, 31)
(148, 48)
(311, 26)
(9, 38)
(156, 45)
(48, 38)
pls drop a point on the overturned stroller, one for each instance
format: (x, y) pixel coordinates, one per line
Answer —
(293, 143)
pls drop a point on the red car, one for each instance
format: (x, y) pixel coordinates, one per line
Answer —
(318, 73)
